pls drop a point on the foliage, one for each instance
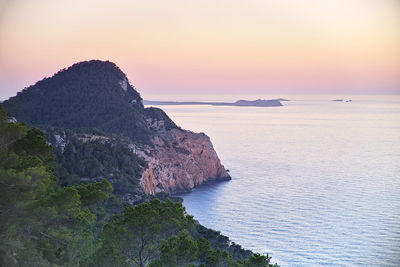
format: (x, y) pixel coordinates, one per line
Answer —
(179, 250)
(93, 193)
(258, 260)
(183, 250)
(137, 234)
(41, 224)
(10, 132)
(222, 242)
(34, 150)
(86, 154)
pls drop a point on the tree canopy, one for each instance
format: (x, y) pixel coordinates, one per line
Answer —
(40, 223)
(139, 232)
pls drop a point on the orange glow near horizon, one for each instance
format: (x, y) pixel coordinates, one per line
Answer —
(172, 47)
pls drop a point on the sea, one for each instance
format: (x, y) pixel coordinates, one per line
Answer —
(315, 182)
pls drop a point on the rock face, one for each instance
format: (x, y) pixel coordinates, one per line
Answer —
(97, 94)
(178, 161)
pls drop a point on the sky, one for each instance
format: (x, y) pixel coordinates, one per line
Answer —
(207, 47)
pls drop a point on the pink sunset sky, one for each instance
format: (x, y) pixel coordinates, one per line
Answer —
(210, 46)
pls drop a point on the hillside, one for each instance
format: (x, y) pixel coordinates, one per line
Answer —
(88, 94)
(97, 94)
(46, 223)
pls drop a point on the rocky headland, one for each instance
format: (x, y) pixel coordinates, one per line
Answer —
(96, 96)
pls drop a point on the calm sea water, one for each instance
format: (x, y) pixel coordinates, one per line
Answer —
(314, 182)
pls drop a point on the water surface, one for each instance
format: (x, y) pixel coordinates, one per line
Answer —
(314, 182)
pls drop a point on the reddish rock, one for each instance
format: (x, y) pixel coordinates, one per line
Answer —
(179, 160)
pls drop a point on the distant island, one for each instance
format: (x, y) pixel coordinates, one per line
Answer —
(341, 100)
(239, 103)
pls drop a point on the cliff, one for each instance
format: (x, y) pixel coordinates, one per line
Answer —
(97, 94)
(178, 161)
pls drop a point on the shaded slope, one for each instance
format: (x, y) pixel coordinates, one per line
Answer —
(87, 94)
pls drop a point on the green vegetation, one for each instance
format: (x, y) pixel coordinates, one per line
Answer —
(40, 223)
(183, 250)
(92, 155)
(90, 94)
(47, 223)
(222, 242)
(138, 233)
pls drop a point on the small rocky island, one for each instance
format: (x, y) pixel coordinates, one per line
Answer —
(341, 100)
(239, 103)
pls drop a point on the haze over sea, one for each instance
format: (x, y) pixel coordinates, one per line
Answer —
(315, 182)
